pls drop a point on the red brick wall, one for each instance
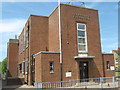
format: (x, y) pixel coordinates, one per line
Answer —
(23, 51)
(38, 40)
(53, 31)
(69, 39)
(12, 59)
(44, 36)
(110, 58)
(42, 68)
(38, 34)
(38, 68)
(38, 37)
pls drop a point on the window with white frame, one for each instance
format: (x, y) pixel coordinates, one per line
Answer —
(23, 67)
(52, 67)
(20, 67)
(82, 40)
(26, 66)
(26, 37)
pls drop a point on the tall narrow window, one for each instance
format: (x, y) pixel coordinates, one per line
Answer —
(33, 65)
(82, 42)
(20, 68)
(26, 37)
(51, 67)
(108, 64)
(23, 67)
(116, 61)
(26, 67)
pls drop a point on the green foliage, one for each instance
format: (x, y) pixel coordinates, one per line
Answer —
(0, 68)
(4, 65)
(117, 73)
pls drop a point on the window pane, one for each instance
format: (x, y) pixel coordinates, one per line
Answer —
(52, 67)
(23, 67)
(81, 47)
(81, 40)
(81, 33)
(108, 64)
(26, 67)
(81, 26)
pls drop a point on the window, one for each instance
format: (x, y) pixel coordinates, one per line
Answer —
(51, 67)
(23, 67)
(116, 61)
(108, 64)
(33, 65)
(82, 41)
(26, 37)
(20, 68)
(26, 67)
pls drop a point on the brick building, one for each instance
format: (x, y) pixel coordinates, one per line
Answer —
(49, 51)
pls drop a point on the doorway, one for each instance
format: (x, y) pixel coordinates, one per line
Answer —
(83, 66)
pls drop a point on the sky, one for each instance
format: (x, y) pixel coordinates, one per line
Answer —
(15, 14)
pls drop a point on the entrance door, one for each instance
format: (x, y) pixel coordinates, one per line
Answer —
(83, 70)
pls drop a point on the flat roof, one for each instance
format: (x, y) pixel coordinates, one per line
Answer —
(38, 15)
(45, 52)
(107, 53)
(13, 41)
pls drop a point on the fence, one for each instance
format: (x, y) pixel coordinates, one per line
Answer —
(103, 82)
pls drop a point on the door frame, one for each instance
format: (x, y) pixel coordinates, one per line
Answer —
(82, 68)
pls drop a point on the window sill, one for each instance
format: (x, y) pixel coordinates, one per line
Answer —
(26, 47)
(33, 71)
(51, 72)
(108, 69)
(82, 52)
(23, 73)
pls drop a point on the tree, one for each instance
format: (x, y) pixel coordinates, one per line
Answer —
(4, 65)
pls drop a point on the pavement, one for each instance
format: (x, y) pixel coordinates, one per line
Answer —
(18, 86)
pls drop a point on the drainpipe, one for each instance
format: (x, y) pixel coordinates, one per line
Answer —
(60, 40)
(103, 66)
(32, 58)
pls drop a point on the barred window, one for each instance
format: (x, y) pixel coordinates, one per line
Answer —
(108, 64)
(52, 67)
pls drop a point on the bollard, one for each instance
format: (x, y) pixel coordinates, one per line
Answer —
(101, 84)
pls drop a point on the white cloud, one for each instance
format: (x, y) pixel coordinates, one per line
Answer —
(8, 29)
(109, 39)
(12, 25)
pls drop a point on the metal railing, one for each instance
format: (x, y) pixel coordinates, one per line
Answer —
(103, 82)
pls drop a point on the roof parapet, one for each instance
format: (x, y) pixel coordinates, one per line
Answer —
(13, 41)
(45, 52)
